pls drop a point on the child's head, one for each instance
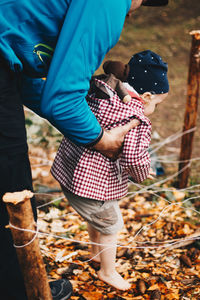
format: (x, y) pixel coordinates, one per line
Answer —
(146, 73)
(148, 76)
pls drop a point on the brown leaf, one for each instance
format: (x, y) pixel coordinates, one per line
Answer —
(93, 295)
(178, 195)
(186, 260)
(129, 253)
(141, 286)
(173, 295)
(95, 265)
(79, 246)
(191, 281)
(153, 279)
(121, 252)
(84, 277)
(83, 257)
(169, 226)
(139, 217)
(66, 272)
(153, 287)
(193, 253)
(155, 295)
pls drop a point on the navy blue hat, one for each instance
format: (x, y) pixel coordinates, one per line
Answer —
(148, 73)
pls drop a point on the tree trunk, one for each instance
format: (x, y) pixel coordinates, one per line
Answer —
(29, 256)
(191, 108)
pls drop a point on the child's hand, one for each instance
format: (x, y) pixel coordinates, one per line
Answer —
(111, 143)
(152, 174)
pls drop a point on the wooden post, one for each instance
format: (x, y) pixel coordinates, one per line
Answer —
(191, 108)
(29, 256)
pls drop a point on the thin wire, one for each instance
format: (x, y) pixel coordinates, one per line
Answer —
(174, 161)
(160, 182)
(25, 245)
(99, 244)
(46, 204)
(133, 239)
(171, 139)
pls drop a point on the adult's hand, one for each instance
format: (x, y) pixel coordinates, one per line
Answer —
(112, 140)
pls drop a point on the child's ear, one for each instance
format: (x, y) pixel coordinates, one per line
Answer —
(146, 96)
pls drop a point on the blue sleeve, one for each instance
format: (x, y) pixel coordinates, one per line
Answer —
(91, 28)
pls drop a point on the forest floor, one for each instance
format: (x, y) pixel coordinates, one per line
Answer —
(158, 249)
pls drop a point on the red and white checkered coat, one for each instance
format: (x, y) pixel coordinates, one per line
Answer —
(88, 173)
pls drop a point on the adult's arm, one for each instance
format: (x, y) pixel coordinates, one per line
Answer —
(110, 142)
(91, 28)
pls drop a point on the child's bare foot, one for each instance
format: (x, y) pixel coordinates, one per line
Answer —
(115, 280)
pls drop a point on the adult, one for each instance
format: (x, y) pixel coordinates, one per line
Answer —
(65, 41)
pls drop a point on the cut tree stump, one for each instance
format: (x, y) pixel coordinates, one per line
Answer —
(27, 245)
(191, 108)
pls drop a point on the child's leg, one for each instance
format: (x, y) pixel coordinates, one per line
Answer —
(104, 218)
(108, 272)
(95, 238)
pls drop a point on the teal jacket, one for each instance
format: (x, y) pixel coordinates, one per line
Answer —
(65, 41)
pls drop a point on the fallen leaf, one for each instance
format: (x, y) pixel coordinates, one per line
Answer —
(153, 287)
(84, 277)
(141, 286)
(156, 295)
(186, 260)
(178, 195)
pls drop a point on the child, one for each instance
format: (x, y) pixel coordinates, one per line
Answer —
(92, 183)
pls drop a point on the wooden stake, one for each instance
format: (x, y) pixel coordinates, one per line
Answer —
(191, 108)
(30, 259)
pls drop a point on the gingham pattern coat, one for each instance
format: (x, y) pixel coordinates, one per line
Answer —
(88, 173)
